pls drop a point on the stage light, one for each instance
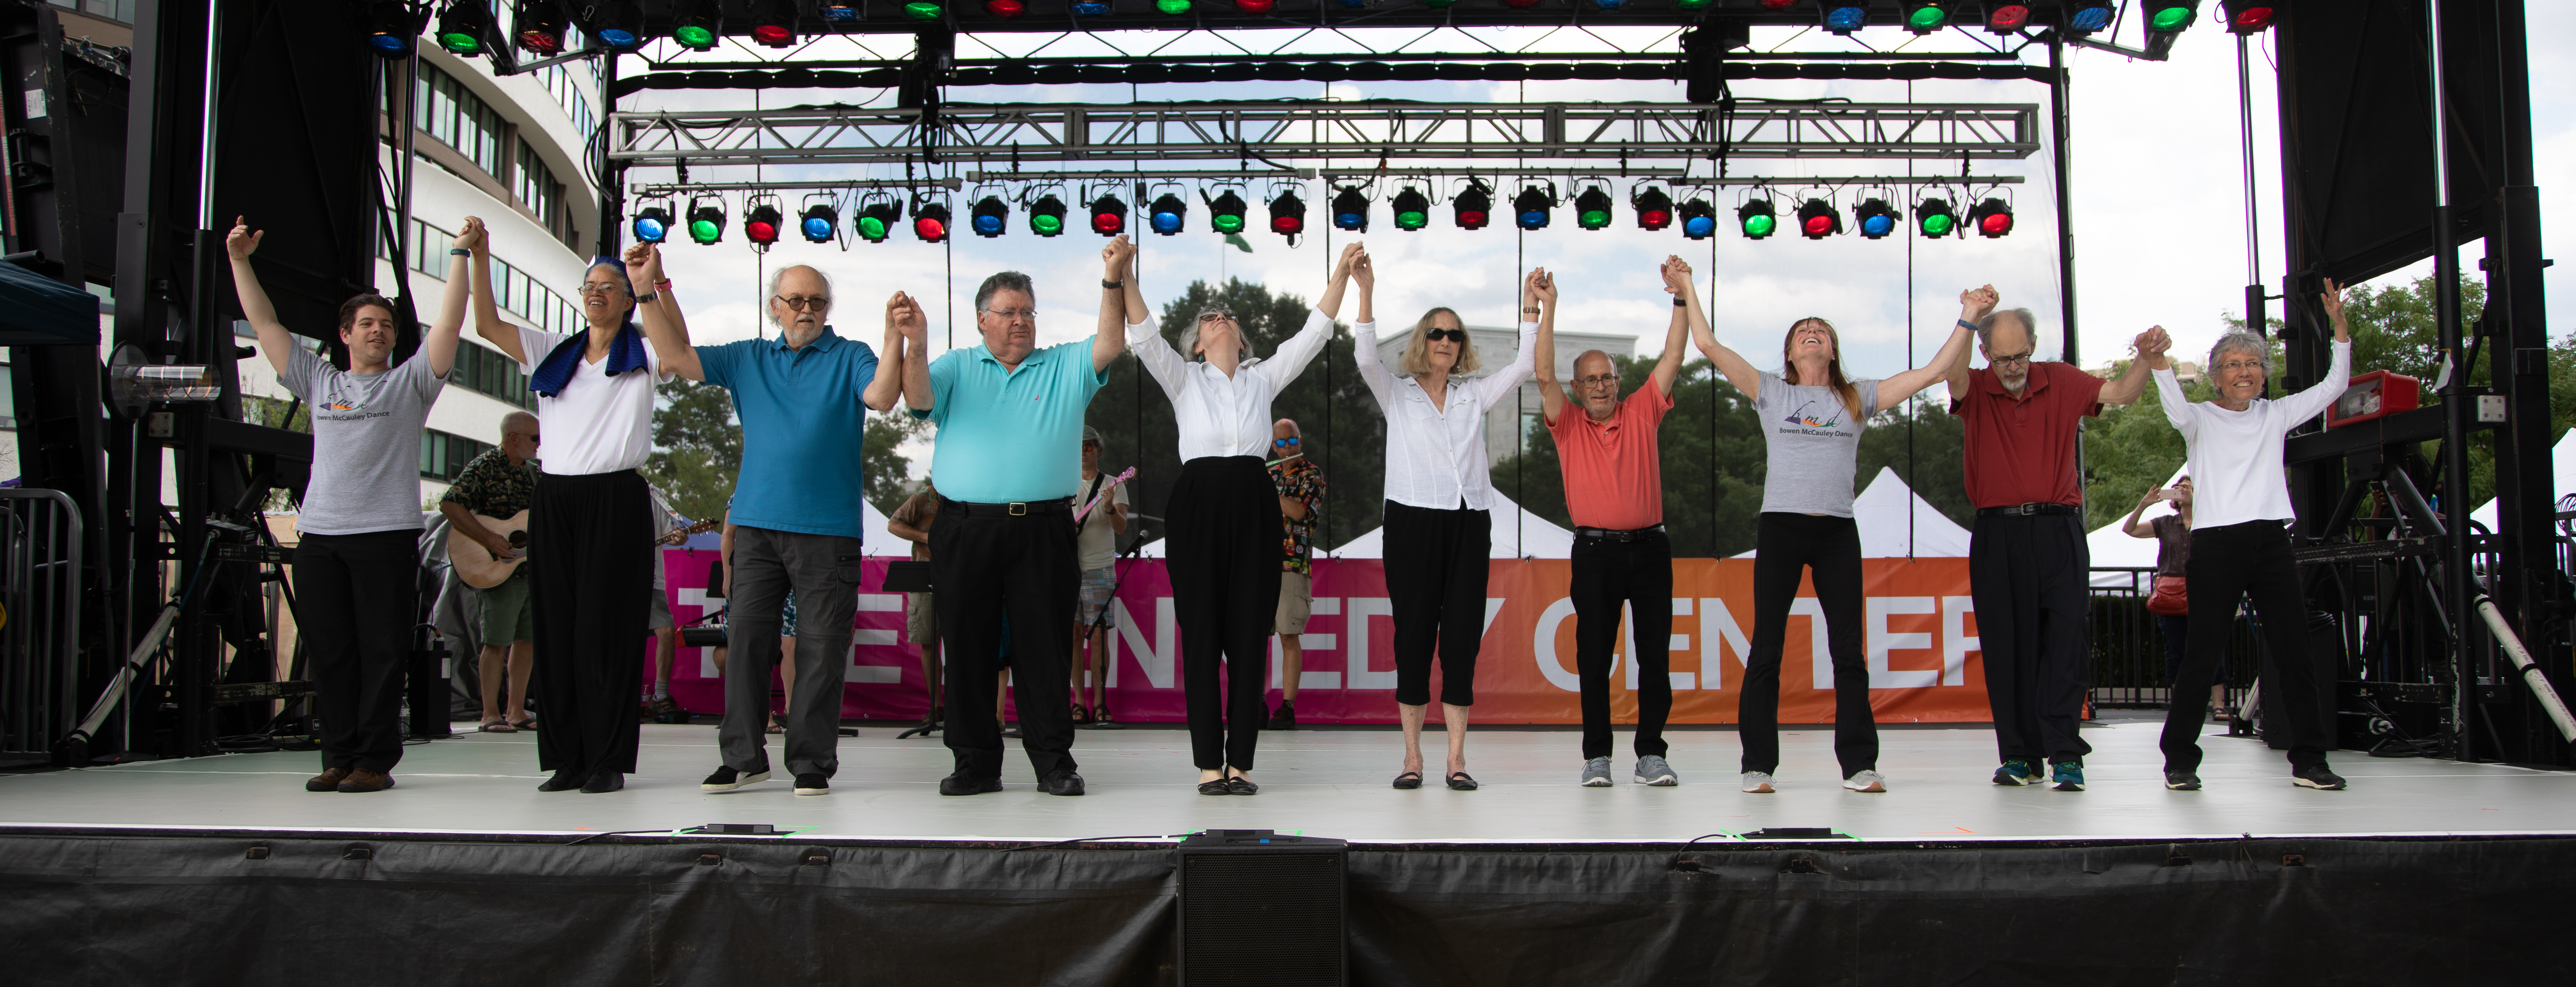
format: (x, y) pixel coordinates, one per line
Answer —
(1928, 17)
(1699, 219)
(1256, 8)
(391, 28)
(1168, 214)
(836, 10)
(1758, 218)
(1172, 8)
(930, 220)
(1609, 4)
(1936, 217)
(1530, 208)
(1592, 208)
(1691, 4)
(2169, 16)
(2088, 16)
(878, 213)
(991, 217)
(1992, 218)
(464, 27)
(1287, 213)
(760, 223)
(706, 220)
(1778, 4)
(541, 26)
(2007, 18)
(1108, 215)
(1474, 205)
(652, 224)
(1046, 216)
(694, 24)
(1091, 8)
(1350, 210)
(818, 222)
(1845, 16)
(1520, 4)
(923, 10)
(1005, 9)
(1654, 207)
(774, 23)
(1225, 212)
(2248, 16)
(1818, 219)
(1412, 209)
(1876, 218)
(618, 24)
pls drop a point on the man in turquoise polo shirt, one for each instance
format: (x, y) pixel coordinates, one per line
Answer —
(797, 506)
(1008, 459)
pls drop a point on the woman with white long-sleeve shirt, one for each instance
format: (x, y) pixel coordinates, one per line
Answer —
(1439, 525)
(2240, 507)
(1224, 521)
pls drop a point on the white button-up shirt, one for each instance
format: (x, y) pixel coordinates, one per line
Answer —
(1219, 415)
(1435, 455)
(2235, 456)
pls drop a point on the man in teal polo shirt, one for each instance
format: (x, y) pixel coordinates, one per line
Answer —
(1008, 455)
(797, 506)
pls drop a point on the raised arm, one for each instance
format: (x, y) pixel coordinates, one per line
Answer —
(915, 361)
(1538, 291)
(1493, 388)
(1364, 335)
(1119, 306)
(487, 312)
(439, 346)
(1974, 303)
(1677, 276)
(2135, 526)
(1339, 281)
(1162, 362)
(2300, 407)
(2132, 382)
(1293, 355)
(663, 325)
(903, 320)
(2169, 394)
(1728, 362)
(1895, 389)
(274, 340)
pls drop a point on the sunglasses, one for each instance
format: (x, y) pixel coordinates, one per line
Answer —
(1207, 317)
(1452, 335)
(1284, 443)
(818, 302)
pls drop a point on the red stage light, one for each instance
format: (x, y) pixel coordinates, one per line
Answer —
(761, 232)
(1820, 225)
(773, 35)
(1005, 8)
(2250, 19)
(929, 229)
(1520, 4)
(1777, 4)
(2007, 17)
(1256, 6)
(1655, 219)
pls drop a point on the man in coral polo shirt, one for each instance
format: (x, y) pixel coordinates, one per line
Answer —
(1614, 490)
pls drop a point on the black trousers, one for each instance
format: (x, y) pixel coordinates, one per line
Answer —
(355, 598)
(1437, 562)
(2252, 558)
(1639, 574)
(983, 568)
(1784, 545)
(824, 571)
(2032, 578)
(590, 545)
(1223, 554)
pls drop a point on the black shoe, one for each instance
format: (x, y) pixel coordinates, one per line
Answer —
(727, 779)
(563, 781)
(1240, 785)
(604, 780)
(1285, 717)
(2318, 778)
(1063, 782)
(1012, 731)
(962, 783)
(2182, 781)
(812, 783)
(1215, 786)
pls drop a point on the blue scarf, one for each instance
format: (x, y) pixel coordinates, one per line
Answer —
(625, 353)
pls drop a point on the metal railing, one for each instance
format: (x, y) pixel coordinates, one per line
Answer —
(40, 589)
(2129, 650)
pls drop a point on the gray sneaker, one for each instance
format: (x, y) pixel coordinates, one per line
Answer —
(1596, 773)
(1866, 781)
(1758, 782)
(1651, 770)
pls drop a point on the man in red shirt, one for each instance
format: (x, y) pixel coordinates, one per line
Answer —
(1614, 489)
(2028, 566)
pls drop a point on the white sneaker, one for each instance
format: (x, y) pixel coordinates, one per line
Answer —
(1758, 782)
(1866, 781)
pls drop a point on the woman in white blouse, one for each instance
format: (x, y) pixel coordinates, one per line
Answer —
(1439, 531)
(1223, 518)
(2240, 502)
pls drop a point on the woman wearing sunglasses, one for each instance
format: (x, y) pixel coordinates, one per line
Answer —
(1439, 528)
(1224, 520)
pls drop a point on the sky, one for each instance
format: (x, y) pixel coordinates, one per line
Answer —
(2158, 210)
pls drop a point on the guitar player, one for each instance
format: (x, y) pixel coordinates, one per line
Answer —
(495, 487)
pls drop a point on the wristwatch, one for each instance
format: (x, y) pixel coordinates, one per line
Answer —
(1679, 303)
(1112, 285)
(1967, 325)
(459, 252)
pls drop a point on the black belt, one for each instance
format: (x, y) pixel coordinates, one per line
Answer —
(2017, 510)
(1060, 505)
(1604, 534)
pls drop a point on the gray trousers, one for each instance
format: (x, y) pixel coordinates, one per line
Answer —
(824, 571)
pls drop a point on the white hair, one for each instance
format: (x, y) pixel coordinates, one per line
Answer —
(2246, 342)
(769, 310)
(1190, 335)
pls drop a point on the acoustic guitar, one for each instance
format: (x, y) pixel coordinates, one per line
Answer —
(478, 568)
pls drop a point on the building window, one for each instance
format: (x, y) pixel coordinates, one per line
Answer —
(8, 394)
(566, 89)
(491, 373)
(443, 456)
(539, 191)
(513, 291)
(445, 109)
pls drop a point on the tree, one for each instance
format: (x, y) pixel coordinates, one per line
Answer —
(697, 447)
(888, 473)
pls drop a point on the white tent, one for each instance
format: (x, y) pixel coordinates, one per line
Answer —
(2113, 547)
(2562, 460)
(1517, 534)
(1895, 522)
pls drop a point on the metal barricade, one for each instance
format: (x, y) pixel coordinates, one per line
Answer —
(2129, 647)
(40, 599)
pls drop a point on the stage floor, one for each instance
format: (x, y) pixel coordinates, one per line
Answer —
(1329, 783)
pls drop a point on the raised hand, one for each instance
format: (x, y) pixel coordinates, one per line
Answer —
(1677, 275)
(903, 315)
(474, 237)
(2333, 300)
(1361, 271)
(1974, 303)
(639, 262)
(1344, 267)
(1118, 258)
(242, 241)
(2153, 342)
(1538, 287)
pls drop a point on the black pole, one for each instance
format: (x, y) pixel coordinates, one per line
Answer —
(2062, 110)
(2255, 320)
(612, 176)
(2455, 396)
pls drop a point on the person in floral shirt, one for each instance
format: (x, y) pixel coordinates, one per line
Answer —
(1301, 495)
(495, 485)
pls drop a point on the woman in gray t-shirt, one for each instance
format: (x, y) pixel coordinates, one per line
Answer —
(1812, 417)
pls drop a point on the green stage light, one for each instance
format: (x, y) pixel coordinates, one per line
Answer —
(1412, 209)
(923, 10)
(1174, 8)
(1592, 208)
(1758, 218)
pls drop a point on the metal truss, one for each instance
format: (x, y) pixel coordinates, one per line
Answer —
(1387, 133)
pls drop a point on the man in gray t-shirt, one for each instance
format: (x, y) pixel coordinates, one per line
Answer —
(366, 443)
(1814, 444)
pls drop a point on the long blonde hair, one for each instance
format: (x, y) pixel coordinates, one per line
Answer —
(1833, 365)
(1417, 351)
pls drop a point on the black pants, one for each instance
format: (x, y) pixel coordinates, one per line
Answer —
(1436, 565)
(2252, 558)
(824, 571)
(1224, 562)
(590, 543)
(355, 598)
(1640, 574)
(2032, 577)
(985, 568)
(1785, 544)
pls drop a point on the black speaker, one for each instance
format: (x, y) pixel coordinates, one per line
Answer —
(1258, 908)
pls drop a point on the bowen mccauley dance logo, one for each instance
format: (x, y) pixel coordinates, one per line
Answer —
(1813, 424)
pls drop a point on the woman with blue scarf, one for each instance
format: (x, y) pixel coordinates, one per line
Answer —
(590, 526)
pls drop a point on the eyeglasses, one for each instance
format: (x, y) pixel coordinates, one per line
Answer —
(817, 303)
(1284, 443)
(530, 436)
(1007, 314)
(598, 287)
(2233, 366)
(1452, 335)
(1596, 379)
(1207, 317)
(2010, 360)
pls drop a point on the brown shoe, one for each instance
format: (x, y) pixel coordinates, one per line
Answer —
(367, 781)
(328, 781)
